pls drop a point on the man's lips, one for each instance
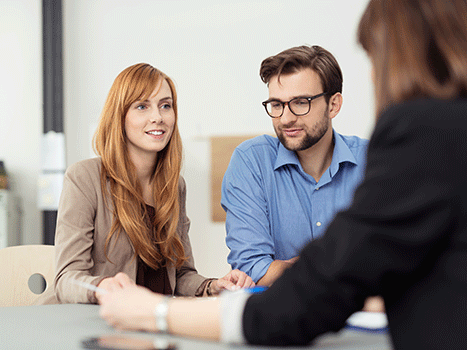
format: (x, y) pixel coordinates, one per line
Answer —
(292, 132)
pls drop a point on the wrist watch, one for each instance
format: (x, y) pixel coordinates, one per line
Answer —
(160, 313)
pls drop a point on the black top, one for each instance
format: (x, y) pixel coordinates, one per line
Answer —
(404, 237)
(155, 280)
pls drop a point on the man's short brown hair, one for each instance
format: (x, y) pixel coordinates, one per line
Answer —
(301, 57)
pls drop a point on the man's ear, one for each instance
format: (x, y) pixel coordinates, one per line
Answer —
(335, 104)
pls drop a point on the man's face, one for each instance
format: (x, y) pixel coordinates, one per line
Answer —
(298, 133)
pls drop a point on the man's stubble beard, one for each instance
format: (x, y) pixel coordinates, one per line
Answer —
(310, 139)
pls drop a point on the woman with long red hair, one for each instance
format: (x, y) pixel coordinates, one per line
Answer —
(122, 218)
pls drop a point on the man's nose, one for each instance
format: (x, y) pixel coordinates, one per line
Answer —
(287, 116)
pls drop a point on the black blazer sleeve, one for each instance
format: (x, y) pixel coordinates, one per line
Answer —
(403, 237)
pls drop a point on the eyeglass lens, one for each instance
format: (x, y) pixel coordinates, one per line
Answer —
(298, 106)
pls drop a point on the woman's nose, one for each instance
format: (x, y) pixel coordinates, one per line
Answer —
(156, 118)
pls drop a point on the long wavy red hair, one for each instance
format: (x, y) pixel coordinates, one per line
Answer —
(118, 172)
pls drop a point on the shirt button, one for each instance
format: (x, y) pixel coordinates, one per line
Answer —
(318, 224)
(317, 188)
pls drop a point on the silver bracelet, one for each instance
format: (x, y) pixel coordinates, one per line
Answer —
(160, 313)
(208, 289)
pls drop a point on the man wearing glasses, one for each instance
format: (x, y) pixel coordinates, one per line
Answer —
(279, 193)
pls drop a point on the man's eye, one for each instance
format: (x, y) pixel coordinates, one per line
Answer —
(276, 105)
(301, 102)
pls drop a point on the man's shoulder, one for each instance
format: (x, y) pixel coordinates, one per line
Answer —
(257, 153)
(263, 143)
(354, 142)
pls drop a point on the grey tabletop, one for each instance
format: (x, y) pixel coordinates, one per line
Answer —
(66, 326)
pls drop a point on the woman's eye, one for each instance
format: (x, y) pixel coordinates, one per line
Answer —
(166, 106)
(141, 107)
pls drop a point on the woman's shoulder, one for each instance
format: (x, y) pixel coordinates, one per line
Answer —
(88, 168)
(422, 113)
(181, 184)
(425, 108)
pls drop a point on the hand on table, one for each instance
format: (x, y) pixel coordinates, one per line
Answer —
(110, 284)
(130, 308)
(234, 280)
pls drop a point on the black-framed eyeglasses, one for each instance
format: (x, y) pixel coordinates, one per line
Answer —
(298, 106)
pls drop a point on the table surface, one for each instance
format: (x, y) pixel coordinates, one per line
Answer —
(66, 326)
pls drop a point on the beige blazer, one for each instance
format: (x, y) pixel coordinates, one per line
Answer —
(83, 222)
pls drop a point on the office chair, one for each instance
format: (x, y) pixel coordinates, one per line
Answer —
(17, 265)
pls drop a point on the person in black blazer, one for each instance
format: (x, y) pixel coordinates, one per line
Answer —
(405, 235)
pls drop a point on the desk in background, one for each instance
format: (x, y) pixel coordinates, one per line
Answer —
(65, 326)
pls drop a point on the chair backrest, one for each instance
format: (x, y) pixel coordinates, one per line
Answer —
(17, 265)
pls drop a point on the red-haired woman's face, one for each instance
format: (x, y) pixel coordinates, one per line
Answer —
(149, 124)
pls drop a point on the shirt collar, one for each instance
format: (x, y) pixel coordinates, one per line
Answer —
(341, 154)
(284, 157)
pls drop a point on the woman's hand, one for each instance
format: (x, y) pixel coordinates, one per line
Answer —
(374, 304)
(110, 284)
(234, 280)
(130, 308)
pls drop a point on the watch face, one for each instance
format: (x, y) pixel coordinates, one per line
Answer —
(122, 342)
(160, 313)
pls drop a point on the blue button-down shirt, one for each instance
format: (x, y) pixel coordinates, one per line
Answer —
(274, 208)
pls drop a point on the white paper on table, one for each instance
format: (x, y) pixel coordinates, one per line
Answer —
(368, 320)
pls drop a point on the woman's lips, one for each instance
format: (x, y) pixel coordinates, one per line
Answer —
(156, 133)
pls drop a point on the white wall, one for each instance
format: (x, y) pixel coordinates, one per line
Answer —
(212, 50)
(21, 101)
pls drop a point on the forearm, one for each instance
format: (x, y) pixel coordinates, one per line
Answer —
(67, 291)
(206, 311)
(74, 238)
(134, 308)
(275, 270)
